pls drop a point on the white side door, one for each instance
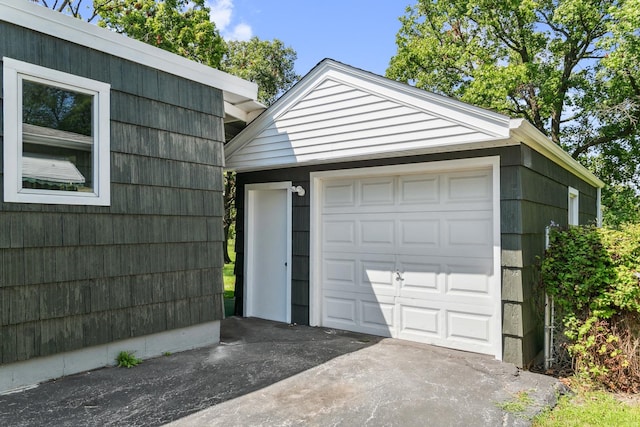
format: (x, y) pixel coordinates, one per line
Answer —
(267, 292)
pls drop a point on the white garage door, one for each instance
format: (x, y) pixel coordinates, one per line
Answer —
(412, 257)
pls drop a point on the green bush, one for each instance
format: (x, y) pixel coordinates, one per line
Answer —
(593, 275)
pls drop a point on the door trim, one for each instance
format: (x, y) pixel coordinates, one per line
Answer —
(249, 225)
(315, 247)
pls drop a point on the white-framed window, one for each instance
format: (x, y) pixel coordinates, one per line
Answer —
(56, 136)
(574, 206)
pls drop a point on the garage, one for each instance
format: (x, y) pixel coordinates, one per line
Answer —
(410, 255)
(413, 215)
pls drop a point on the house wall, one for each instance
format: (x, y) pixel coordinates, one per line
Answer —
(533, 192)
(72, 277)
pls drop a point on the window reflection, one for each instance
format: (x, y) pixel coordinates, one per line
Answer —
(57, 138)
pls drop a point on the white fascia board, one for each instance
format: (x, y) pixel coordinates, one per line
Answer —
(59, 25)
(253, 166)
(245, 111)
(529, 135)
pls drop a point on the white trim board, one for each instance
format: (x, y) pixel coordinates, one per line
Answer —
(315, 246)
(38, 18)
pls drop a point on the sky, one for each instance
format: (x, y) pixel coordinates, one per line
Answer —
(360, 33)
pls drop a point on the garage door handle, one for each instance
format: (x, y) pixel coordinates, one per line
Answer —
(399, 277)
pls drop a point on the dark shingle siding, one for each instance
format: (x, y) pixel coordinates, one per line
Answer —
(77, 276)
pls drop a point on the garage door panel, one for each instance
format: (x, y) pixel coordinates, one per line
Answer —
(465, 187)
(339, 310)
(419, 233)
(465, 326)
(361, 313)
(472, 276)
(378, 233)
(339, 194)
(339, 272)
(359, 273)
(416, 260)
(472, 233)
(376, 275)
(377, 314)
(420, 323)
(340, 233)
(421, 279)
(419, 190)
(377, 192)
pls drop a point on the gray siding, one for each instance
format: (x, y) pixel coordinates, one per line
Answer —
(77, 276)
(533, 192)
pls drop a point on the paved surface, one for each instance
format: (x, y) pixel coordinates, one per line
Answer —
(271, 374)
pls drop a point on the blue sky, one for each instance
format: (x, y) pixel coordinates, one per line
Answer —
(360, 33)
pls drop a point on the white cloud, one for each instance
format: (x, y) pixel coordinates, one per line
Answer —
(221, 15)
(241, 32)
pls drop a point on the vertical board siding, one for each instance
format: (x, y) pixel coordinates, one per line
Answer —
(78, 276)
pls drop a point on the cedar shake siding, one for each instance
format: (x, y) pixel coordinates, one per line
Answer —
(78, 276)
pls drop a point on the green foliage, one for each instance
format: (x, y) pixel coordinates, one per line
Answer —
(593, 276)
(269, 64)
(570, 67)
(518, 404)
(126, 359)
(179, 26)
(621, 205)
(590, 408)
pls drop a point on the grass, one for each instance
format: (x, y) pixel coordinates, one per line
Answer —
(590, 409)
(227, 272)
(518, 404)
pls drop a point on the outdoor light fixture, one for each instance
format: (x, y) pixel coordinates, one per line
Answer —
(298, 190)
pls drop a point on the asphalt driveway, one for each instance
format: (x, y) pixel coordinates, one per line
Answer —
(273, 374)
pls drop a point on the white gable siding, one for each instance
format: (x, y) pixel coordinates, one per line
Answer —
(336, 120)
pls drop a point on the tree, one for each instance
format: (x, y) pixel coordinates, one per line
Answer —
(570, 67)
(183, 27)
(179, 26)
(269, 64)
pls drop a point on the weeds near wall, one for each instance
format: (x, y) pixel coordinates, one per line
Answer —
(126, 359)
(593, 275)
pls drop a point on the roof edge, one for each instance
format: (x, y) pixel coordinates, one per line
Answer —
(529, 135)
(499, 123)
(59, 25)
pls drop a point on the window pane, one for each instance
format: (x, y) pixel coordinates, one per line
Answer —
(57, 138)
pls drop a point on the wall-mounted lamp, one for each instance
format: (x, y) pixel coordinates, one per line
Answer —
(298, 190)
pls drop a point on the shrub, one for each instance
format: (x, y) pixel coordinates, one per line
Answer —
(593, 276)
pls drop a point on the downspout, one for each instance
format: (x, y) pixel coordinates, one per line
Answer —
(549, 315)
(599, 207)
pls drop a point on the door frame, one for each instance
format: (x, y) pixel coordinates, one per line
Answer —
(315, 237)
(251, 211)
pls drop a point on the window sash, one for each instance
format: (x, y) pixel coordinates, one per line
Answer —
(16, 134)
